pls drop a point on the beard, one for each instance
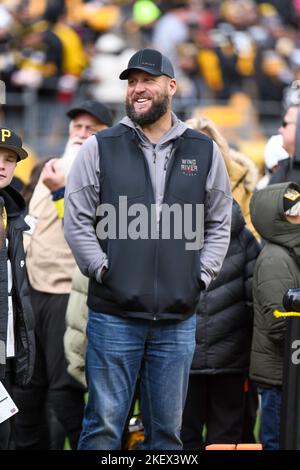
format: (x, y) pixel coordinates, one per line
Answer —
(157, 110)
(71, 150)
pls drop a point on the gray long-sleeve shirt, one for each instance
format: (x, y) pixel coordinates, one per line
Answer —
(82, 200)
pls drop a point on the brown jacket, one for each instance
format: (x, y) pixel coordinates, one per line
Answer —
(50, 263)
(243, 175)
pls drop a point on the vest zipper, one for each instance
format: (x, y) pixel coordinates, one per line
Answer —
(155, 280)
(156, 248)
(156, 241)
(171, 153)
(167, 168)
(154, 198)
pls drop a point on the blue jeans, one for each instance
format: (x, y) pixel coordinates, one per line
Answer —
(121, 349)
(270, 417)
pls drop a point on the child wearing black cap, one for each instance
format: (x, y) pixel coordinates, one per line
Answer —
(16, 320)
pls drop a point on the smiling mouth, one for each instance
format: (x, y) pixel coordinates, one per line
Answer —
(141, 103)
(141, 100)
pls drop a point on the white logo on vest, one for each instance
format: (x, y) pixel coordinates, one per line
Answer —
(189, 166)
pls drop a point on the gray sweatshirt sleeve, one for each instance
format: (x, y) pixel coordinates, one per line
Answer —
(81, 202)
(217, 222)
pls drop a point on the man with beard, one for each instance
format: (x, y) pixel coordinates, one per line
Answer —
(143, 288)
(50, 266)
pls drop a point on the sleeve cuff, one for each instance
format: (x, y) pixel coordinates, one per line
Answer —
(58, 194)
(60, 207)
(205, 280)
(99, 272)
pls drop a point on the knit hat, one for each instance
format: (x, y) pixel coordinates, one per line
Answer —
(291, 202)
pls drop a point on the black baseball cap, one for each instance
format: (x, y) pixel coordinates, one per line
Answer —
(96, 109)
(150, 61)
(10, 140)
(290, 198)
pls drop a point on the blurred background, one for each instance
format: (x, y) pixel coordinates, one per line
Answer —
(235, 61)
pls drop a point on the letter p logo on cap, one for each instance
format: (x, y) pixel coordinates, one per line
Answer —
(5, 134)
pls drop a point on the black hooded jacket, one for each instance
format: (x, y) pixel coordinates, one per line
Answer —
(23, 361)
(225, 310)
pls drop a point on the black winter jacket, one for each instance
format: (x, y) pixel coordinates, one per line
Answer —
(225, 310)
(277, 269)
(23, 361)
(288, 170)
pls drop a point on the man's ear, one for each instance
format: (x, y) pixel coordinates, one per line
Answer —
(172, 86)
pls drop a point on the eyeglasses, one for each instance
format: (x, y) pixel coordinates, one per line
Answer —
(286, 123)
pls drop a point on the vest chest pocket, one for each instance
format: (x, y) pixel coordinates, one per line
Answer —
(187, 181)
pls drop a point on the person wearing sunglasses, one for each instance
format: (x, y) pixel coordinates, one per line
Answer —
(289, 168)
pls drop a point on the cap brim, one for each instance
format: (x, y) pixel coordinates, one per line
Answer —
(74, 111)
(22, 154)
(124, 75)
(103, 119)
